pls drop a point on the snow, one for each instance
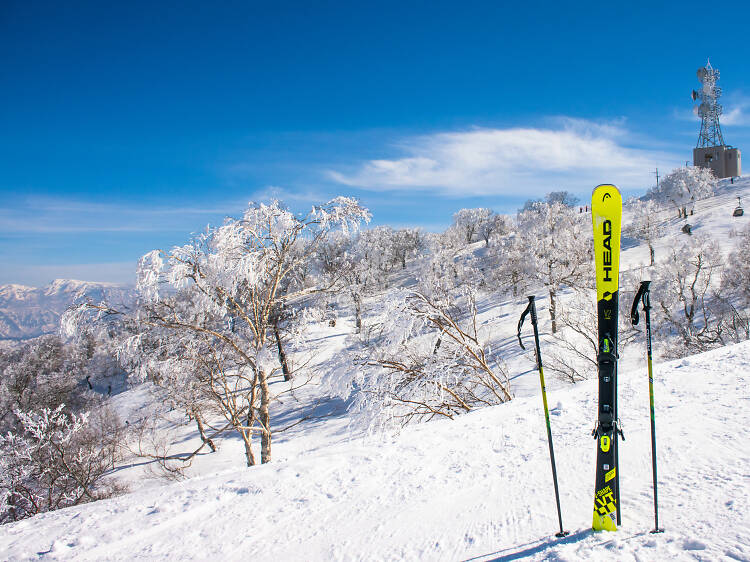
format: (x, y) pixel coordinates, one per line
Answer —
(476, 488)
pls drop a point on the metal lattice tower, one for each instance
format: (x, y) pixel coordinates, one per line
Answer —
(709, 108)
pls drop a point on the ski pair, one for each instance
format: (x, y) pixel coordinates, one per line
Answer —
(606, 211)
(606, 214)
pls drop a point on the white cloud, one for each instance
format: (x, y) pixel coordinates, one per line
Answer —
(737, 115)
(576, 156)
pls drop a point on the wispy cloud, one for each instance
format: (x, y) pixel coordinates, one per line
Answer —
(305, 197)
(48, 215)
(737, 114)
(573, 155)
(39, 275)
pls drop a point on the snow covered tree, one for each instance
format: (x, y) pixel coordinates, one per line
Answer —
(735, 290)
(685, 295)
(556, 246)
(471, 224)
(509, 270)
(646, 224)
(563, 197)
(737, 275)
(58, 439)
(206, 314)
(429, 361)
(406, 243)
(684, 186)
(356, 266)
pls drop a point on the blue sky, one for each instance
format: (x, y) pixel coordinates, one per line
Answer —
(125, 126)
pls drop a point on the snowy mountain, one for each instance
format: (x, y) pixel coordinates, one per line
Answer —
(475, 488)
(28, 312)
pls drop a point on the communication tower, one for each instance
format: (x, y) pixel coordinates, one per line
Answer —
(711, 151)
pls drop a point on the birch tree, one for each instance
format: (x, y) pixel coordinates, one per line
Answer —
(207, 310)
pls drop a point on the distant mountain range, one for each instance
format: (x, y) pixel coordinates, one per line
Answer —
(29, 312)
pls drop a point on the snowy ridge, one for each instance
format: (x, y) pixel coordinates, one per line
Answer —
(29, 312)
(476, 487)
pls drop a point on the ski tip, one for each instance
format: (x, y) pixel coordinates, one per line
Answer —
(605, 195)
(606, 185)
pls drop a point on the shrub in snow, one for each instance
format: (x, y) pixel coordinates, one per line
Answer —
(55, 459)
(428, 361)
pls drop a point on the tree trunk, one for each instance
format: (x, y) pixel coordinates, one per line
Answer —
(265, 418)
(282, 355)
(206, 440)
(553, 310)
(358, 313)
(651, 250)
(246, 438)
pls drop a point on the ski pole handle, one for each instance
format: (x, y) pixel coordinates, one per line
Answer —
(641, 295)
(529, 308)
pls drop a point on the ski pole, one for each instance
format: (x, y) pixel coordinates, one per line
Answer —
(643, 295)
(531, 308)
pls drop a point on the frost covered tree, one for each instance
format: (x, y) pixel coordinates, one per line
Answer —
(509, 270)
(686, 297)
(429, 361)
(555, 247)
(684, 186)
(406, 243)
(58, 438)
(356, 266)
(206, 314)
(735, 289)
(563, 197)
(737, 275)
(473, 224)
(646, 224)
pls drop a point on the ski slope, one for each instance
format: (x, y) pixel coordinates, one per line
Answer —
(477, 488)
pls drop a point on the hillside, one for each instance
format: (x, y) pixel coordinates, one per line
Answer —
(478, 487)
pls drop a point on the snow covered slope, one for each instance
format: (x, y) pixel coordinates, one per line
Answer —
(476, 488)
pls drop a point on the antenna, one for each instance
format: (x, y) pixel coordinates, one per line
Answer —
(709, 108)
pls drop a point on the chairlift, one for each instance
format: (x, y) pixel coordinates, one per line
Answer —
(738, 211)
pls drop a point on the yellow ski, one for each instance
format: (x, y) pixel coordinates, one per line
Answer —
(606, 214)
